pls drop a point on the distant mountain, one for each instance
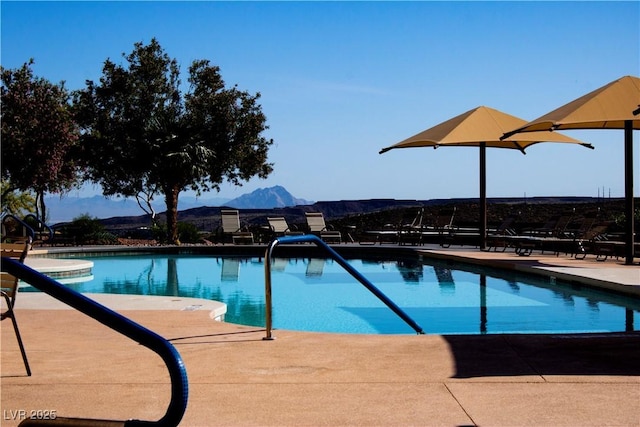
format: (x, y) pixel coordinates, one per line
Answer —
(67, 208)
(267, 198)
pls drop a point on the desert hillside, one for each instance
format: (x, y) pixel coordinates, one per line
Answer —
(377, 213)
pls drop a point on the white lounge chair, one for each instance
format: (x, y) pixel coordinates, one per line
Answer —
(231, 227)
(317, 226)
(280, 227)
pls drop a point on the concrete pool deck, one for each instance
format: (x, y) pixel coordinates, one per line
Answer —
(82, 369)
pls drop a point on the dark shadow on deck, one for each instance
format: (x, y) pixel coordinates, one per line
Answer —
(561, 354)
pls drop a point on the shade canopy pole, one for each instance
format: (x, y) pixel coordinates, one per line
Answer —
(628, 189)
(483, 195)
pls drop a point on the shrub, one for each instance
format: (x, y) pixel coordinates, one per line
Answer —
(88, 230)
(188, 233)
(159, 232)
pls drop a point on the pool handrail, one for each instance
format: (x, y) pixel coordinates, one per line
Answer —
(312, 238)
(123, 325)
(42, 227)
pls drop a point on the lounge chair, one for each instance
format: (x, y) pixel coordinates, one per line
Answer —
(503, 235)
(317, 226)
(416, 224)
(568, 240)
(578, 232)
(231, 227)
(588, 241)
(444, 227)
(280, 227)
(411, 234)
(555, 227)
(546, 237)
(445, 218)
(388, 234)
(9, 290)
(561, 225)
(605, 247)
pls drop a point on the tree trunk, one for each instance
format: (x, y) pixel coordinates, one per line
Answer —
(171, 200)
(41, 209)
(149, 207)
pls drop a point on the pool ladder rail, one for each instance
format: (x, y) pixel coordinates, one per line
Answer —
(311, 238)
(123, 325)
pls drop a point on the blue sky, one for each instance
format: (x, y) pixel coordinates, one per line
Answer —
(341, 80)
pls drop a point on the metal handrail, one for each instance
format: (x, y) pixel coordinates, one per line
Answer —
(311, 238)
(41, 225)
(123, 325)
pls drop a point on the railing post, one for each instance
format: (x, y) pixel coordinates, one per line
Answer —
(267, 288)
(311, 238)
(117, 322)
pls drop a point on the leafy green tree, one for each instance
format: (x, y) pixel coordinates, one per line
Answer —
(14, 202)
(143, 136)
(39, 136)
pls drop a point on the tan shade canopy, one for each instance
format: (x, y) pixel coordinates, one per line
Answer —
(613, 106)
(481, 125)
(605, 108)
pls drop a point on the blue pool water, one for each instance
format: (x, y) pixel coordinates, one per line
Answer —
(318, 295)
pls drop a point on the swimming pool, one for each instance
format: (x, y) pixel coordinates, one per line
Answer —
(313, 294)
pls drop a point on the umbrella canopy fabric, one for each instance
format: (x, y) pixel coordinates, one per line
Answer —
(608, 107)
(481, 127)
(613, 106)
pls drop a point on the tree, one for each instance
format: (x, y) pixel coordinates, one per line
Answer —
(18, 203)
(39, 136)
(143, 136)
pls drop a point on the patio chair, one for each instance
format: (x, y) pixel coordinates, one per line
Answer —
(588, 241)
(411, 234)
(561, 225)
(554, 227)
(500, 237)
(231, 227)
(317, 226)
(280, 227)
(388, 234)
(578, 232)
(416, 224)
(443, 224)
(569, 240)
(9, 284)
(605, 247)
